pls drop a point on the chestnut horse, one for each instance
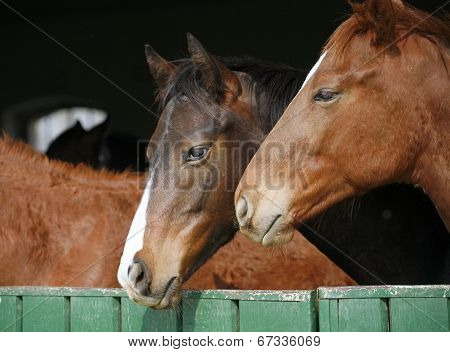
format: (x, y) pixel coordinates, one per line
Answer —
(374, 111)
(58, 220)
(214, 114)
(65, 225)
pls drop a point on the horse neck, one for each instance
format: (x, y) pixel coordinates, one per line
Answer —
(432, 171)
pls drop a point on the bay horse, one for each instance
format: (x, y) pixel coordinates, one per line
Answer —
(374, 111)
(215, 112)
(65, 225)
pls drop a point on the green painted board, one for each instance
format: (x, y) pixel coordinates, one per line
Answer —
(253, 295)
(269, 316)
(45, 313)
(374, 308)
(210, 315)
(328, 315)
(334, 315)
(363, 315)
(419, 314)
(139, 318)
(260, 295)
(384, 291)
(324, 315)
(61, 291)
(10, 313)
(94, 314)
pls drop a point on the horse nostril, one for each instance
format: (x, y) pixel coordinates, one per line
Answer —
(139, 277)
(242, 212)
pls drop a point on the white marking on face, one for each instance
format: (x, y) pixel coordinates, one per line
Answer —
(135, 238)
(308, 77)
(313, 70)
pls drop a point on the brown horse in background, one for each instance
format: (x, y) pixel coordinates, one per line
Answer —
(65, 225)
(376, 110)
(58, 220)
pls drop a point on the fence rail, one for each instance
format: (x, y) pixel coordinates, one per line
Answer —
(371, 308)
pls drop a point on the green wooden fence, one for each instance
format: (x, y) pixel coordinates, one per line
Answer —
(387, 308)
(384, 308)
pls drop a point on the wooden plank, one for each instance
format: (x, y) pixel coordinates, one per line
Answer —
(298, 296)
(61, 291)
(419, 314)
(334, 315)
(384, 291)
(253, 295)
(10, 313)
(94, 314)
(267, 316)
(425, 308)
(138, 318)
(324, 315)
(42, 313)
(324, 292)
(363, 315)
(210, 315)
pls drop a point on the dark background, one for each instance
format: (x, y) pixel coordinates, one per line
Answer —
(110, 36)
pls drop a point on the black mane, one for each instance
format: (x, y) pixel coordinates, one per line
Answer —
(273, 85)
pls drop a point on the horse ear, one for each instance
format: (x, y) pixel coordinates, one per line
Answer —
(78, 126)
(218, 80)
(378, 16)
(161, 69)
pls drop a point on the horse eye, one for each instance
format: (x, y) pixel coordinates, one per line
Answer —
(325, 95)
(197, 153)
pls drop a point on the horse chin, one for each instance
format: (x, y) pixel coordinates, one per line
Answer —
(171, 297)
(169, 300)
(278, 235)
(275, 230)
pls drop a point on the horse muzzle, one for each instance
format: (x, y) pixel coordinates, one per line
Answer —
(140, 289)
(262, 220)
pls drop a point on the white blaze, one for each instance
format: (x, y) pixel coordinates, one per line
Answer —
(308, 77)
(135, 238)
(313, 71)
